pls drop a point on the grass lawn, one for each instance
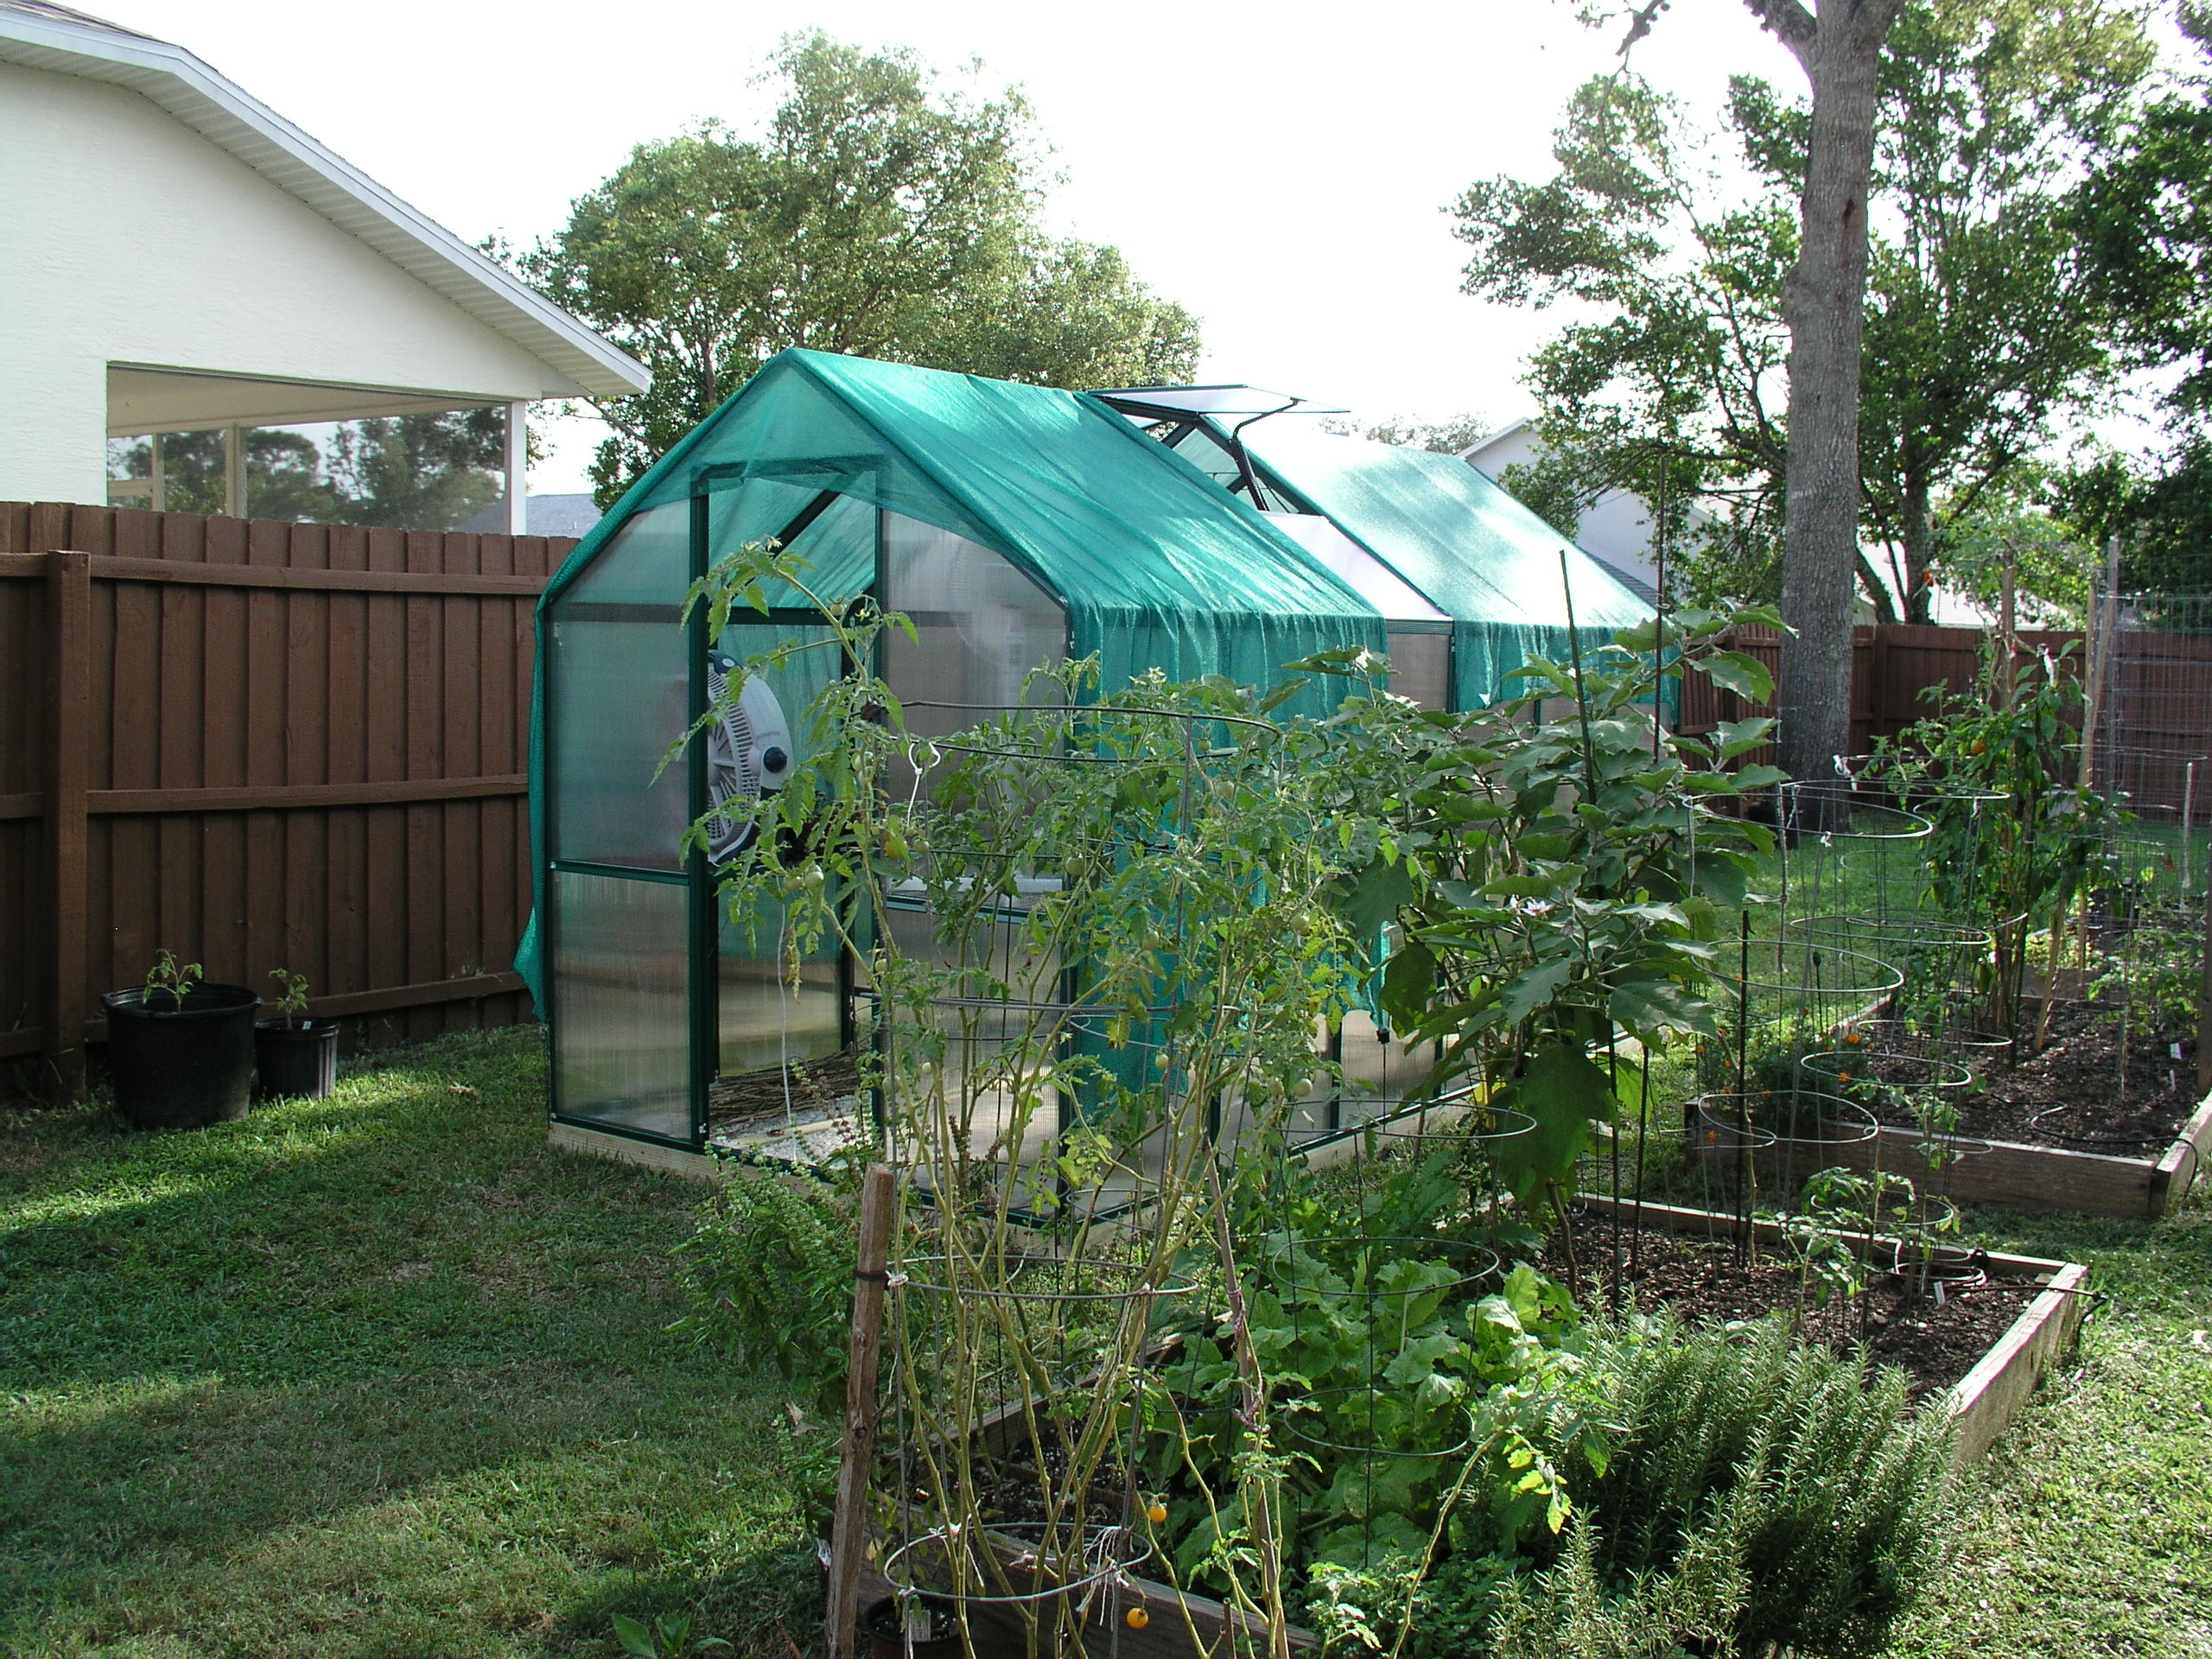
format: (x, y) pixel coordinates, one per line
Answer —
(377, 1375)
(381, 1375)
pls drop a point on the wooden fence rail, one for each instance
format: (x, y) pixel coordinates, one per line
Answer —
(260, 745)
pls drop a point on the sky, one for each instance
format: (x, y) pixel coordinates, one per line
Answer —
(1281, 170)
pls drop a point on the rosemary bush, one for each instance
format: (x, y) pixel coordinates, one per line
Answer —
(1825, 1486)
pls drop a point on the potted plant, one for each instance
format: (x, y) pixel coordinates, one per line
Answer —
(181, 1052)
(296, 1055)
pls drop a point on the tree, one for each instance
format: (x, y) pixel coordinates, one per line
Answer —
(2161, 512)
(1979, 319)
(1452, 435)
(1823, 304)
(2146, 223)
(874, 215)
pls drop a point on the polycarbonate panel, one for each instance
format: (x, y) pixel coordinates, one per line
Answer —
(1378, 1074)
(619, 693)
(1420, 668)
(838, 543)
(621, 1002)
(1206, 400)
(765, 1019)
(976, 1036)
(1359, 569)
(1210, 456)
(982, 626)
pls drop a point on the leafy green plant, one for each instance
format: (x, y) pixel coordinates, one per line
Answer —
(769, 1270)
(2157, 978)
(1391, 1380)
(668, 1636)
(1559, 877)
(171, 978)
(292, 996)
(2017, 839)
(1084, 927)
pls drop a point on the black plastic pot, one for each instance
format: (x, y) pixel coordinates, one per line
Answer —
(181, 1064)
(880, 1624)
(296, 1060)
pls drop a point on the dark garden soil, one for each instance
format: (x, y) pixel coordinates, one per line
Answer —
(1934, 1341)
(2069, 1096)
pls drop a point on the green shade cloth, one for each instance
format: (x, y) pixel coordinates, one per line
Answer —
(1156, 566)
(1472, 551)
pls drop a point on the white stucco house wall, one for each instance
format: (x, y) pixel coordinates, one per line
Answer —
(177, 256)
(1616, 528)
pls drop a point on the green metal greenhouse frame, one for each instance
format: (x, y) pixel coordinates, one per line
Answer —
(1015, 523)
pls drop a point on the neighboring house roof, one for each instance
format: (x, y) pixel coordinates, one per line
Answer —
(40, 35)
(543, 515)
(1488, 438)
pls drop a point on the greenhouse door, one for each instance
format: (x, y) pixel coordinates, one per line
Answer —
(775, 1002)
(624, 901)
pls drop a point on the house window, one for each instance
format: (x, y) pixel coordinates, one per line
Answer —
(442, 470)
(170, 472)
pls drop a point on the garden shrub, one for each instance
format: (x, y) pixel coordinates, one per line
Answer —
(1755, 1454)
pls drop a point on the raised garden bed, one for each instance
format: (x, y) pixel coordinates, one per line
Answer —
(2051, 1178)
(1980, 1361)
(2049, 1300)
(1980, 1169)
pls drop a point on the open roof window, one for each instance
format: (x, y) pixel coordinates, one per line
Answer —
(1182, 418)
(1357, 569)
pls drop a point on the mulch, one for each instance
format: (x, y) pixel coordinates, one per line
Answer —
(811, 1089)
(1935, 1342)
(2071, 1096)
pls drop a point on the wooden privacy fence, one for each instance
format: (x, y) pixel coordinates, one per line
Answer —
(1891, 665)
(260, 745)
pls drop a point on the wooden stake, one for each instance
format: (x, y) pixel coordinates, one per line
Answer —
(848, 1526)
(2204, 1006)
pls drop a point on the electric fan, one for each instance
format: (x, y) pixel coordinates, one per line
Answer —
(749, 756)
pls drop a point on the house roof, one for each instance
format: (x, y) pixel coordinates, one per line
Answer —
(41, 35)
(1487, 438)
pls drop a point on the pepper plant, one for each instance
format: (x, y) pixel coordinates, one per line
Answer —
(1561, 871)
(2017, 837)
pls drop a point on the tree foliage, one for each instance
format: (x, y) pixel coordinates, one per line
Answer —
(1451, 436)
(875, 215)
(1984, 321)
(2146, 223)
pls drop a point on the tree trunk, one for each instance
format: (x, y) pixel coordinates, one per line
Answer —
(1919, 549)
(1823, 304)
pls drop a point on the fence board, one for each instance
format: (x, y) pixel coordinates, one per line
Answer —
(304, 748)
(1891, 666)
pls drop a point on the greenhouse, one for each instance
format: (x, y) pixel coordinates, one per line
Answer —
(1182, 529)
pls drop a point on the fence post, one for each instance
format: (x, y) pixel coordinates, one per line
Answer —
(848, 1525)
(69, 635)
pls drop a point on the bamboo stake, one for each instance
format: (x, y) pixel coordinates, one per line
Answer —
(848, 1533)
